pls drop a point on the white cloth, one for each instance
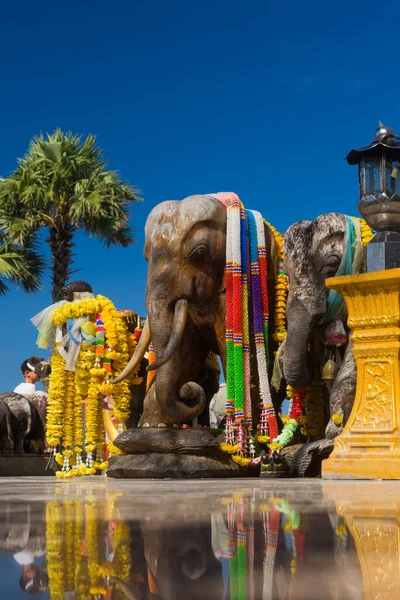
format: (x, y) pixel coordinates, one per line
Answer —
(217, 406)
(24, 558)
(25, 389)
(219, 535)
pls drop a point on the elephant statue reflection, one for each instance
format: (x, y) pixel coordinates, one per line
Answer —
(185, 247)
(316, 318)
(179, 562)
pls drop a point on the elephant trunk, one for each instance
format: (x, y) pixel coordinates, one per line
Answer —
(297, 365)
(178, 399)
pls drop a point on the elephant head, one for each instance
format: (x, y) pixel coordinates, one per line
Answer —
(185, 297)
(313, 252)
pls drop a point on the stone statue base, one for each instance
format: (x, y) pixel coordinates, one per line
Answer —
(305, 460)
(172, 454)
(27, 465)
(171, 466)
(369, 446)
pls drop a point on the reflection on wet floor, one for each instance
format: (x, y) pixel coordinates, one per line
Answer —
(232, 540)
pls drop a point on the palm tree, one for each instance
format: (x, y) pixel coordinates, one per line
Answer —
(63, 184)
(21, 266)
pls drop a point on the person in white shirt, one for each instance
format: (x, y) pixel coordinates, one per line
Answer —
(33, 580)
(33, 369)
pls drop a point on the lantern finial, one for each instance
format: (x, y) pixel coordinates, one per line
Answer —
(383, 132)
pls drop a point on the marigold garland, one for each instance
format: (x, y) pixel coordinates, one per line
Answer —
(55, 406)
(122, 557)
(281, 287)
(367, 234)
(69, 545)
(97, 365)
(77, 559)
(54, 548)
(94, 538)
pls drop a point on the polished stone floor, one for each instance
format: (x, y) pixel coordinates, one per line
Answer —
(244, 539)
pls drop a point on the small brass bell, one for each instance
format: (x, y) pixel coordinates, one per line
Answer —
(330, 370)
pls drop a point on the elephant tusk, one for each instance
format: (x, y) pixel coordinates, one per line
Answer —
(137, 356)
(109, 426)
(178, 327)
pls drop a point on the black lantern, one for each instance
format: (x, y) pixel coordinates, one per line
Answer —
(379, 191)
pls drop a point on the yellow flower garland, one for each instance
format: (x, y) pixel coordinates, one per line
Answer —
(367, 234)
(91, 381)
(55, 406)
(54, 547)
(82, 567)
(76, 310)
(93, 529)
(117, 334)
(281, 287)
(69, 544)
(122, 559)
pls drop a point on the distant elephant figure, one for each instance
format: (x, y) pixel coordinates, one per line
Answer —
(185, 247)
(314, 251)
(26, 423)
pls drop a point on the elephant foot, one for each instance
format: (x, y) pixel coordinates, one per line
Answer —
(154, 423)
(152, 415)
(6, 445)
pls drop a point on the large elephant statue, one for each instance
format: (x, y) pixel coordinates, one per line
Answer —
(185, 246)
(316, 319)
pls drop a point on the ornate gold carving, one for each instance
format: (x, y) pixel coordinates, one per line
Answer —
(377, 542)
(375, 408)
(366, 336)
(374, 352)
(375, 321)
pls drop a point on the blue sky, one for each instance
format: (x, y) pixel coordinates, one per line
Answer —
(258, 97)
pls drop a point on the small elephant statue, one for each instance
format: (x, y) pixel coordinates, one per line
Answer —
(6, 429)
(24, 422)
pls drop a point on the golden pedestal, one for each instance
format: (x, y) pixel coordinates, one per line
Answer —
(369, 446)
(372, 513)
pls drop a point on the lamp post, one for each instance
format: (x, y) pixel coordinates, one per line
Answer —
(369, 445)
(379, 197)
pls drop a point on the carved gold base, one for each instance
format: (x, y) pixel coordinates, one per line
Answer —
(369, 446)
(361, 467)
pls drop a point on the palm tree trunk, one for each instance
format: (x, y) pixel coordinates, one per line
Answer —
(60, 240)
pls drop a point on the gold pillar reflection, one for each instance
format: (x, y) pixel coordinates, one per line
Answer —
(372, 514)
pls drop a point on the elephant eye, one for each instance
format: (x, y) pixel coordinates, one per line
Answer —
(199, 253)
